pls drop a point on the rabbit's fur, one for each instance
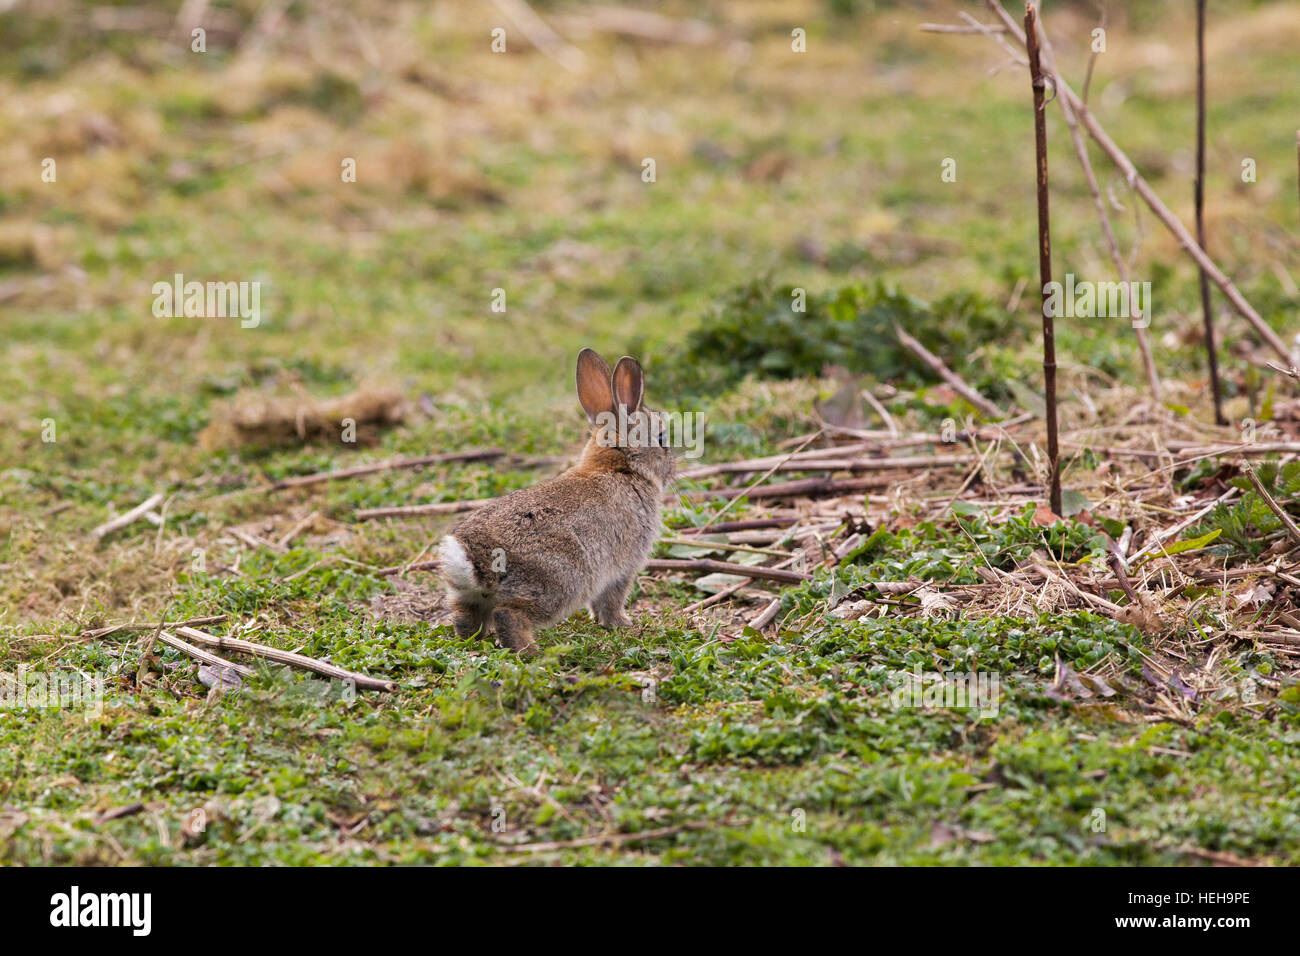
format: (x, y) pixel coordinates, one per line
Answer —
(532, 558)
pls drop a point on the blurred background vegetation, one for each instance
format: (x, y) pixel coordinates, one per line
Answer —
(479, 170)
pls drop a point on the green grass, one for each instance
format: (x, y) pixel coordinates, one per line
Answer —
(791, 747)
(478, 172)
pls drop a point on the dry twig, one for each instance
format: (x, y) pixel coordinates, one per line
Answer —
(958, 384)
(290, 658)
(711, 566)
(121, 521)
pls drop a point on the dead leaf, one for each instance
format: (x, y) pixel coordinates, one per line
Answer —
(1045, 517)
(227, 678)
(1256, 595)
(1177, 684)
(1067, 679)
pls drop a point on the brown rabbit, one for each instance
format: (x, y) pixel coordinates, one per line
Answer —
(532, 558)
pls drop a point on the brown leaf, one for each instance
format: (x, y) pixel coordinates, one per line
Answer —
(1067, 679)
(1256, 595)
(1044, 516)
(1177, 684)
(1143, 616)
(1097, 685)
(940, 835)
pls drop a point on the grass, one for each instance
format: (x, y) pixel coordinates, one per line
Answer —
(479, 171)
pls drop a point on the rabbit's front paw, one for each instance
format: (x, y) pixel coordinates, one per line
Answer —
(617, 619)
(608, 605)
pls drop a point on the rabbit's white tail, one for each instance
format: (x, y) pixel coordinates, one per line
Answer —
(456, 565)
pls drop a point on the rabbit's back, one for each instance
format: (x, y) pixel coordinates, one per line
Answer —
(569, 536)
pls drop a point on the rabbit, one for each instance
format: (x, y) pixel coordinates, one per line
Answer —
(531, 558)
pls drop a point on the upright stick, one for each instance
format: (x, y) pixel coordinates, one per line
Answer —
(1044, 254)
(1210, 349)
(1112, 244)
(1148, 196)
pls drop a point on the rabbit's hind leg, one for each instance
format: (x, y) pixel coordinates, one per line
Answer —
(470, 616)
(520, 614)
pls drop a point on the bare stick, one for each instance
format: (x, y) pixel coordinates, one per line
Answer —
(148, 646)
(1162, 536)
(725, 593)
(1013, 302)
(1051, 575)
(711, 566)
(767, 616)
(392, 464)
(799, 488)
(1232, 447)
(1147, 194)
(288, 657)
(1293, 372)
(1287, 521)
(540, 35)
(757, 464)
(117, 813)
(121, 521)
(431, 565)
(709, 544)
(829, 464)
(793, 461)
(414, 511)
(1044, 255)
(986, 407)
(1112, 245)
(287, 538)
(114, 628)
(1092, 60)
(1116, 560)
(199, 654)
(752, 524)
(255, 541)
(763, 477)
(844, 548)
(994, 34)
(880, 410)
(1210, 350)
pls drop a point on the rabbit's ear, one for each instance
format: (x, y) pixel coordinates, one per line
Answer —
(629, 383)
(594, 391)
